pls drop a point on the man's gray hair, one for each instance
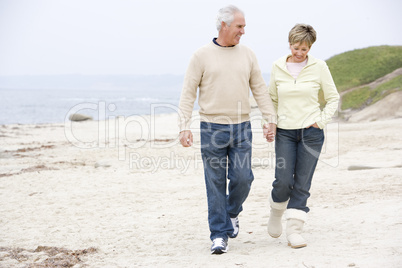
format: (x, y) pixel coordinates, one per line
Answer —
(226, 15)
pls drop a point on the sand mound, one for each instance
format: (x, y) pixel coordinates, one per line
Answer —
(387, 108)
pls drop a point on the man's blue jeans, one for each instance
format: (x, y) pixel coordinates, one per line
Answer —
(297, 152)
(226, 154)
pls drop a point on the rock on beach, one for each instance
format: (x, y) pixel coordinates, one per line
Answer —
(79, 117)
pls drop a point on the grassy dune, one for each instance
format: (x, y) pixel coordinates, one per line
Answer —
(354, 70)
(362, 66)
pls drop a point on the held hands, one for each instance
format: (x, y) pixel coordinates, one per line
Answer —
(186, 138)
(269, 132)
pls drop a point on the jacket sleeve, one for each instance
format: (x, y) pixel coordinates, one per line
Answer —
(188, 96)
(331, 96)
(273, 91)
(260, 92)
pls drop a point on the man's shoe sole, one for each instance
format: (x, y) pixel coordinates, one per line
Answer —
(219, 251)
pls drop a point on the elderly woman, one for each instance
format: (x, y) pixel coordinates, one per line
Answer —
(294, 85)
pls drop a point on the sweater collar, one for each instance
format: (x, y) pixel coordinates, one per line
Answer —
(282, 61)
(216, 43)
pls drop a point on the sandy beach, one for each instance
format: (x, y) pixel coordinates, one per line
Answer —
(124, 193)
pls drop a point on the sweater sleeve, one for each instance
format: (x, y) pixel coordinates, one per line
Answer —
(331, 96)
(273, 95)
(260, 92)
(188, 96)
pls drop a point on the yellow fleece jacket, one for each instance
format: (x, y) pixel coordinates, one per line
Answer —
(296, 100)
(224, 77)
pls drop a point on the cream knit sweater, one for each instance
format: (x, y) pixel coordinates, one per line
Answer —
(224, 77)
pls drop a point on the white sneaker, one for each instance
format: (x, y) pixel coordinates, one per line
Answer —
(219, 246)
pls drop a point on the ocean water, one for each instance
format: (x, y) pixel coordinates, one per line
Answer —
(38, 106)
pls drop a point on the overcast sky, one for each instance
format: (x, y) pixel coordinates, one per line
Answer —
(159, 36)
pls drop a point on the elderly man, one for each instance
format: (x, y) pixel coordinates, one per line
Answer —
(224, 72)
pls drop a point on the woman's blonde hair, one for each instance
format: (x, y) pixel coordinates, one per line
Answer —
(302, 33)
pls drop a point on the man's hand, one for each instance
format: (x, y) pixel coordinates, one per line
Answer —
(269, 131)
(186, 138)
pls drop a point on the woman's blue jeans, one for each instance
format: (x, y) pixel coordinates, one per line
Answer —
(297, 152)
(226, 154)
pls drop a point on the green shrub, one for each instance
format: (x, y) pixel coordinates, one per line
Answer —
(355, 99)
(364, 96)
(387, 88)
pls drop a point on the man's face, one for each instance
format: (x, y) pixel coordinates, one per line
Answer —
(235, 30)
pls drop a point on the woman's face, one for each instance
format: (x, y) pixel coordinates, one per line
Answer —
(299, 52)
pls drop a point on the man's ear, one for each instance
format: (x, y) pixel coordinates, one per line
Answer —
(223, 25)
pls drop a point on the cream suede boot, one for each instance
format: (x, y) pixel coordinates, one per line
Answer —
(275, 217)
(294, 227)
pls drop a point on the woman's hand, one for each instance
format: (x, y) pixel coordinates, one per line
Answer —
(314, 125)
(269, 132)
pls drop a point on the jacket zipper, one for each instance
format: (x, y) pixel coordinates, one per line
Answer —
(300, 71)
